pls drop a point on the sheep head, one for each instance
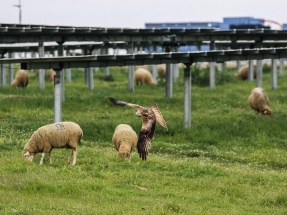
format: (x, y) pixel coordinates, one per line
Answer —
(29, 156)
(124, 152)
(267, 112)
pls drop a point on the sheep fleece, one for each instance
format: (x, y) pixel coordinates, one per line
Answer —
(124, 139)
(143, 76)
(56, 135)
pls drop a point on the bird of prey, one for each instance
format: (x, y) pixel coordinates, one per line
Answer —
(149, 118)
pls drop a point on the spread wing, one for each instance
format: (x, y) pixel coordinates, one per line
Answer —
(145, 137)
(122, 103)
(159, 118)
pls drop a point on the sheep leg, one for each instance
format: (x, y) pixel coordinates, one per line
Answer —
(42, 158)
(74, 152)
(70, 157)
(50, 156)
(74, 155)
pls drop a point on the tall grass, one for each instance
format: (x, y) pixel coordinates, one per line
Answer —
(228, 162)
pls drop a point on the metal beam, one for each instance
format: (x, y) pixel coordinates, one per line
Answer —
(148, 59)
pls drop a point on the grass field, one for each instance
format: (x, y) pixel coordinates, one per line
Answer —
(228, 162)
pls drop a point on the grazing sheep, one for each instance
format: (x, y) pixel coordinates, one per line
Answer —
(21, 79)
(143, 76)
(259, 101)
(161, 70)
(243, 72)
(124, 139)
(57, 135)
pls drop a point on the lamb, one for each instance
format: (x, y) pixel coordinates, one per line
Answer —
(21, 79)
(259, 101)
(143, 76)
(57, 135)
(124, 140)
(243, 72)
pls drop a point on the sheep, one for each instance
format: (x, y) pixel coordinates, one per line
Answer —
(124, 140)
(57, 135)
(243, 72)
(259, 101)
(143, 76)
(21, 79)
(51, 74)
(161, 70)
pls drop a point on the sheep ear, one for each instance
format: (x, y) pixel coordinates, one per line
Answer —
(27, 154)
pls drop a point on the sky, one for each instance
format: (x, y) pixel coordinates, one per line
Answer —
(135, 13)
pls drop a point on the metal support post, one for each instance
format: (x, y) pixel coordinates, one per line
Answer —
(107, 69)
(57, 96)
(11, 68)
(274, 84)
(169, 81)
(41, 74)
(212, 69)
(237, 65)
(281, 66)
(250, 70)
(259, 73)
(187, 97)
(61, 53)
(68, 70)
(3, 75)
(131, 70)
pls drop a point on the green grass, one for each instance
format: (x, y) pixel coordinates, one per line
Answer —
(228, 162)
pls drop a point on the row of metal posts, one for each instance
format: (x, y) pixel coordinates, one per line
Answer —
(170, 76)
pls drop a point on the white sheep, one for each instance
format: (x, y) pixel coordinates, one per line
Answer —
(124, 139)
(259, 101)
(57, 135)
(21, 79)
(243, 72)
(143, 76)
